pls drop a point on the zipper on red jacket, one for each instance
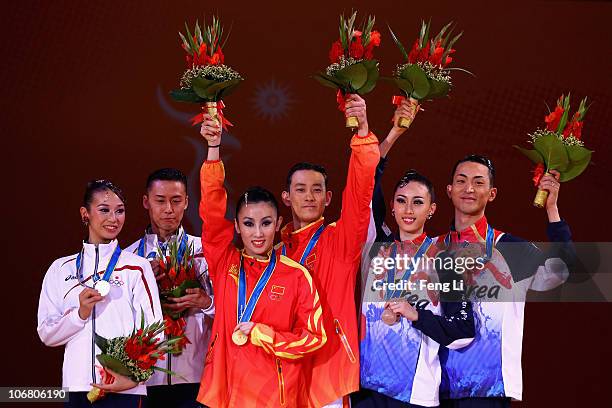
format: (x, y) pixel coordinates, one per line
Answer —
(281, 382)
(93, 325)
(344, 340)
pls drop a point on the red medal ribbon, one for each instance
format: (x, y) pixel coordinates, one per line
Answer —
(397, 100)
(538, 173)
(341, 101)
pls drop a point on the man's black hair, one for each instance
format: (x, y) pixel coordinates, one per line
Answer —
(166, 174)
(306, 166)
(476, 158)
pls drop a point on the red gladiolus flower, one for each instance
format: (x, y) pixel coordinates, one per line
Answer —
(172, 273)
(552, 120)
(573, 128)
(414, 52)
(335, 52)
(356, 48)
(217, 58)
(538, 173)
(374, 38)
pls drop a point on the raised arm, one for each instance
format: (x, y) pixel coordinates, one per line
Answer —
(352, 226)
(217, 231)
(379, 206)
(308, 334)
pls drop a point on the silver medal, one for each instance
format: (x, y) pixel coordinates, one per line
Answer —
(103, 287)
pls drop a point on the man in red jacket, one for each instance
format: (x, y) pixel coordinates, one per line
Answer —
(332, 255)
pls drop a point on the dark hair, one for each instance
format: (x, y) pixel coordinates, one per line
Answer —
(413, 175)
(167, 174)
(100, 185)
(476, 158)
(254, 195)
(306, 166)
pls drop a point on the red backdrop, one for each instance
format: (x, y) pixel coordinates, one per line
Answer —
(85, 96)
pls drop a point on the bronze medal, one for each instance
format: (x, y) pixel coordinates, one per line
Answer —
(389, 318)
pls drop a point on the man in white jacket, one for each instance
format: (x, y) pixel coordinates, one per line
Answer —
(166, 201)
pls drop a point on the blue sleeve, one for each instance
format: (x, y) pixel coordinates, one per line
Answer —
(379, 208)
(456, 323)
(524, 258)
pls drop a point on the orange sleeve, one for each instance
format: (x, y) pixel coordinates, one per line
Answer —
(352, 227)
(308, 333)
(217, 232)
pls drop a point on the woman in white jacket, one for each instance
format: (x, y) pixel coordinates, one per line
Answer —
(102, 290)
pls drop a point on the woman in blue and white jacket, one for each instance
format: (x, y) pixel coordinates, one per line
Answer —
(399, 343)
(101, 290)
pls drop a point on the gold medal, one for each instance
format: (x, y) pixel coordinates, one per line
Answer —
(239, 338)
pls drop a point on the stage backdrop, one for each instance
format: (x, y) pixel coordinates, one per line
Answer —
(85, 96)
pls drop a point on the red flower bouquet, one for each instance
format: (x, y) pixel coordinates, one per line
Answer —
(353, 68)
(425, 74)
(133, 356)
(559, 146)
(180, 274)
(207, 79)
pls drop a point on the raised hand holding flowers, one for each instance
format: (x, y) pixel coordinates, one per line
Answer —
(207, 79)
(559, 146)
(353, 69)
(425, 74)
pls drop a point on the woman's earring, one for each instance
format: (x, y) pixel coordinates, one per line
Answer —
(429, 216)
(85, 221)
(393, 212)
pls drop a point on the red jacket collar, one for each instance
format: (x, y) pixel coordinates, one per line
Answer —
(417, 241)
(476, 232)
(302, 235)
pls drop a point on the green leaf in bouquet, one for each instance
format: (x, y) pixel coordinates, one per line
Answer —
(563, 121)
(193, 46)
(172, 373)
(142, 319)
(438, 89)
(579, 159)
(418, 79)
(442, 32)
(114, 364)
(532, 155)
(460, 69)
(185, 43)
(553, 151)
(101, 342)
(372, 77)
(200, 87)
(229, 89)
(398, 43)
(452, 42)
(330, 81)
(218, 88)
(356, 75)
(404, 85)
(185, 95)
